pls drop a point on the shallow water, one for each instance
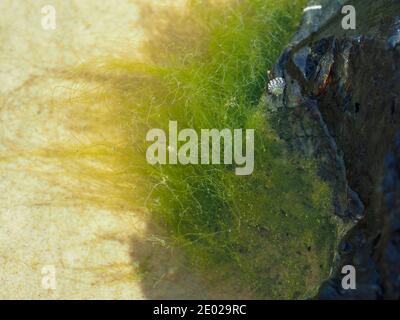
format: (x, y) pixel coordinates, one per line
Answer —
(91, 249)
(107, 250)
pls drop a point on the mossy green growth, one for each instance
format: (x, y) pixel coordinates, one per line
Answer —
(269, 234)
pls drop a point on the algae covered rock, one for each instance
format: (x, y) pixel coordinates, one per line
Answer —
(342, 106)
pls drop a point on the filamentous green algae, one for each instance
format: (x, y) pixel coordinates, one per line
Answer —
(270, 233)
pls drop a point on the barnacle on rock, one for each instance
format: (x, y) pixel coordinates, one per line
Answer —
(276, 86)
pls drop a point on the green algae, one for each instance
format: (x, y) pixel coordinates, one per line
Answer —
(270, 234)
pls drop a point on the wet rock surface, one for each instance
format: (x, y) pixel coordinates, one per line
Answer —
(342, 106)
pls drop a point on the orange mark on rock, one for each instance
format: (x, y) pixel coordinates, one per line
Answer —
(328, 80)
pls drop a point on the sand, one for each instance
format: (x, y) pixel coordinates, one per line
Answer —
(53, 249)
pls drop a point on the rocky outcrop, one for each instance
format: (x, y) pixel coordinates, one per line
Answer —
(342, 106)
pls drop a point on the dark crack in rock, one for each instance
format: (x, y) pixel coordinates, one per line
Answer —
(342, 106)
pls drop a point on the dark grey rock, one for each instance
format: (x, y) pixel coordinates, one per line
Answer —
(342, 106)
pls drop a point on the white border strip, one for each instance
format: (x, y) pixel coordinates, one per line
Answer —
(312, 8)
